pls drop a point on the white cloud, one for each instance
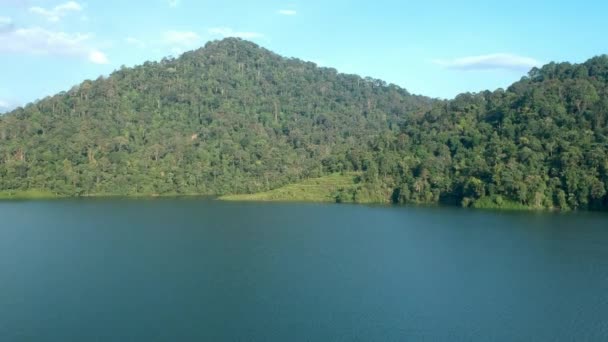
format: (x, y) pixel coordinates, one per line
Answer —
(5, 21)
(504, 61)
(228, 32)
(68, 6)
(287, 12)
(6, 24)
(98, 57)
(173, 3)
(181, 38)
(39, 41)
(56, 13)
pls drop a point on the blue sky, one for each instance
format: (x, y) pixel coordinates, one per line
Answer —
(432, 47)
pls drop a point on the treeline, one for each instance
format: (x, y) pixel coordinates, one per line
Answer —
(235, 118)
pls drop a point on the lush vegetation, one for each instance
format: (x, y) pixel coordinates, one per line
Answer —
(234, 118)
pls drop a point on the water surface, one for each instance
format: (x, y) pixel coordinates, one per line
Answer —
(201, 270)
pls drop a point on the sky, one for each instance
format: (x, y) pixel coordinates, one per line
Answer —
(437, 48)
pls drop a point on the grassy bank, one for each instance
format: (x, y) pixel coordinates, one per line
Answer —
(27, 195)
(324, 189)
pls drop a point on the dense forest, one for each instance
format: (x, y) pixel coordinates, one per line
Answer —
(233, 117)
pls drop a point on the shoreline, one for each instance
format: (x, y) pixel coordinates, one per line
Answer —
(39, 195)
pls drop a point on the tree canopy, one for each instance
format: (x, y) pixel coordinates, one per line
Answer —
(233, 117)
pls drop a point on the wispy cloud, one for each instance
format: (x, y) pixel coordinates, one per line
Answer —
(98, 57)
(39, 41)
(173, 3)
(287, 12)
(228, 32)
(56, 13)
(497, 61)
(6, 24)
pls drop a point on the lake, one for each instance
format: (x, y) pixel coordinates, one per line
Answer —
(203, 270)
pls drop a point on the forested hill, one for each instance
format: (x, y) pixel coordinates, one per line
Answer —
(230, 117)
(235, 118)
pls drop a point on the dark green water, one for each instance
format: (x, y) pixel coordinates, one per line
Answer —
(198, 270)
